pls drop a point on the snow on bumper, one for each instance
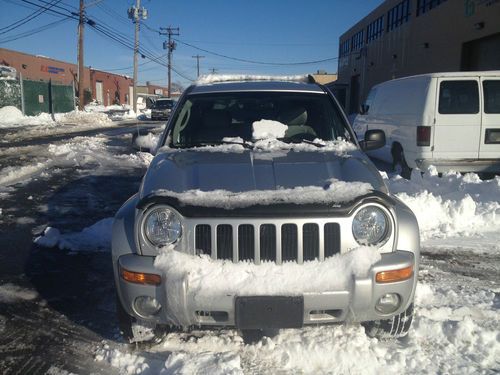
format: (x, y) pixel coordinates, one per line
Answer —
(201, 291)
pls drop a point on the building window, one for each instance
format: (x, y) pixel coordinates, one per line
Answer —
(398, 15)
(426, 5)
(344, 48)
(375, 29)
(357, 41)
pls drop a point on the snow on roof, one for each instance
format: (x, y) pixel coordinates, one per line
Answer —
(335, 191)
(217, 78)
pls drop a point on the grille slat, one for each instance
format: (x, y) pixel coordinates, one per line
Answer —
(246, 242)
(268, 242)
(289, 245)
(332, 239)
(310, 241)
(224, 241)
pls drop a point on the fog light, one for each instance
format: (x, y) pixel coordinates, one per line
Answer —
(388, 303)
(146, 306)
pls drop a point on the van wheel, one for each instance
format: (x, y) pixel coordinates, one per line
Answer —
(397, 326)
(399, 164)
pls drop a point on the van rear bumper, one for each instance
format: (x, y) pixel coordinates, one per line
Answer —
(461, 165)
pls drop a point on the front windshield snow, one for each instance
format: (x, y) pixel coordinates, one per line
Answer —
(209, 119)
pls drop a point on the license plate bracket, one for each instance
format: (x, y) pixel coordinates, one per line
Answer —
(262, 312)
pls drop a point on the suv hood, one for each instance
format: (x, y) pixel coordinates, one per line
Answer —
(179, 171)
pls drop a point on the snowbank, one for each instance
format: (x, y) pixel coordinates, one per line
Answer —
(334, 191)
(451, 205)
(247, 279)
(97, 237)
(11, 116)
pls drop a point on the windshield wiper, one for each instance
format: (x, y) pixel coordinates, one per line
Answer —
(245, 144)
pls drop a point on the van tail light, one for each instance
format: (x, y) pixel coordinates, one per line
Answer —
(423, 135)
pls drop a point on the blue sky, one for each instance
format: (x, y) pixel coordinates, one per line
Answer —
(260, 30)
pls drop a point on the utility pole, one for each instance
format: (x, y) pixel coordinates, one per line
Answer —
(170, 45)
(136, 14)
(213, 70)
(198, 57)
(81, 68)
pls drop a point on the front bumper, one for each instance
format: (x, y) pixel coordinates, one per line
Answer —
(357, 303)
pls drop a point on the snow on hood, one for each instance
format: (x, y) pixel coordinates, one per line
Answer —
(245, 278)
(334, 191)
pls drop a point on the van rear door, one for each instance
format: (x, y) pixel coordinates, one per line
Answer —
(489, 146)
(457, 129)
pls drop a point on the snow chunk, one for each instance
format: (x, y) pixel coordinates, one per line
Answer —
(97, 237)
(245, 278)
(335, 191)
(264, 129)
(13, 293)
(217, 78)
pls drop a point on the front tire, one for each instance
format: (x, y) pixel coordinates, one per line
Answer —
(397, 326)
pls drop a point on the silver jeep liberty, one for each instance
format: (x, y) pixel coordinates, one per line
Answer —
(210, 145)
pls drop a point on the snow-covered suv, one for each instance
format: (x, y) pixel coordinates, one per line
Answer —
(261, 210)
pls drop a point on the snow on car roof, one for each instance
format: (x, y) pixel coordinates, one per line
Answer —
(218, 78)
(264, 85)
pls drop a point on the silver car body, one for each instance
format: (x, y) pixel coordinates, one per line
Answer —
(181, 171)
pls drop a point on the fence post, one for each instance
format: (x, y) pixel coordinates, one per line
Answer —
(51, 103)
(22, 93)
(74, 97)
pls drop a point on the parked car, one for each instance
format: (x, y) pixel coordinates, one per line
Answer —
(161, 109)
(449, 120)
(265, 213)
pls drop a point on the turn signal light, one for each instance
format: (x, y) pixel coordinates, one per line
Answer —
(394, 275)
(140, 278)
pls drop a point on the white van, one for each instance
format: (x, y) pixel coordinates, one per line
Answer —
(449, 120)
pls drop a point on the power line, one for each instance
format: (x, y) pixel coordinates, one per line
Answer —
(31, 17)
(34, 31)
(255, 61)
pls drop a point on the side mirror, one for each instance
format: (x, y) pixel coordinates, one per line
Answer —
(374, 139)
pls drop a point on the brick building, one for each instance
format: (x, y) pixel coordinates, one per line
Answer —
(407, 37)
(106, 88)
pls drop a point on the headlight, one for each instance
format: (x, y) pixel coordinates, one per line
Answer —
(371, 226)
(162, 226)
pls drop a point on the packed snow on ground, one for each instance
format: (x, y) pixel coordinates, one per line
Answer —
(334, 191)
(10, 293)
(13, 117)
(80, 152)
(215, 78)
(247, 279)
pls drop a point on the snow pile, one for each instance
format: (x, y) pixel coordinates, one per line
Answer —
(97, 237)
(13, 293)
(148, 141)
(207, 363)
(247, 279)
(450, 205)
(334, 191)
(272, 147)
(216, 78)
(12, 116)
(268, 129)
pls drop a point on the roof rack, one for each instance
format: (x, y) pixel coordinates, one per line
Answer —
(219, 78)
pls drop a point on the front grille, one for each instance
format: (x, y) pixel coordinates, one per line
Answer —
(285, 242)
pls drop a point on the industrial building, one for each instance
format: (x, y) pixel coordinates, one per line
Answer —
(408, 37)
(104, 87)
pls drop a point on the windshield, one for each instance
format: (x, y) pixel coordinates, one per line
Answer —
(164, 104)
(209, 118)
